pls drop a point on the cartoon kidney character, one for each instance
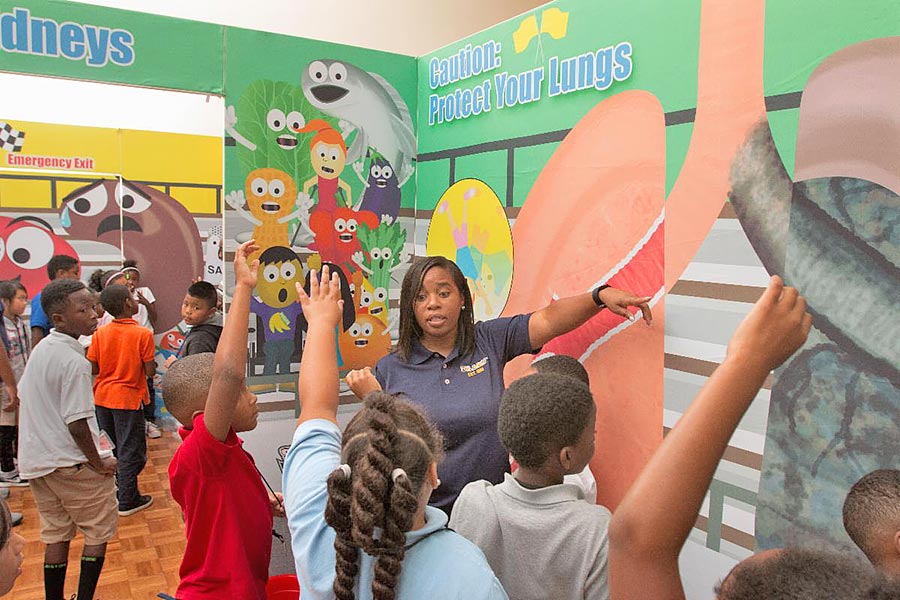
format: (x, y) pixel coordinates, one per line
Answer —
(154, 229)
(26, 246)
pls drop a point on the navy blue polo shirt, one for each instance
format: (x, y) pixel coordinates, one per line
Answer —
(461, 395)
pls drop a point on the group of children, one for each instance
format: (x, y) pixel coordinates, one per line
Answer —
(357, 501)
(78, 437)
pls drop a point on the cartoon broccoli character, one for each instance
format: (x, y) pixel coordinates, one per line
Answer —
(382, 252)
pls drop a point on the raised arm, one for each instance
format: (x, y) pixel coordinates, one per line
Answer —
(566, 314)
(651, 524)
(230, 365)
(318, 384)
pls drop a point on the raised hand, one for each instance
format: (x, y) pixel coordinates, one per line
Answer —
(776, 327)
(245, 274)
(323, 304)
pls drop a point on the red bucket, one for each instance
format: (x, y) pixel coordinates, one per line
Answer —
(283, 587)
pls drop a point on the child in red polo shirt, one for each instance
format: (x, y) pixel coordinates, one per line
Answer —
(227, 511)
(121, 353)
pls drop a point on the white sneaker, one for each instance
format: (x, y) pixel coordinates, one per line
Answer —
(153, 431)
(11, 479)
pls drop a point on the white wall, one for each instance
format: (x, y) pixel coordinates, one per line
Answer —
(107, 105)
(412, 27)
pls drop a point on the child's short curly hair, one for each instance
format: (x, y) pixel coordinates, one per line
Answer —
(562, 365)
(541, 414)
(872, 511)
(113, 298)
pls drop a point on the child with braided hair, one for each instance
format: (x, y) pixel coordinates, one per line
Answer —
(357, 503)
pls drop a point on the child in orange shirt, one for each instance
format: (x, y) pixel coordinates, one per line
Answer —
(121, 354)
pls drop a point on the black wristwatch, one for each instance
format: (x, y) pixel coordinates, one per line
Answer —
(596, 296)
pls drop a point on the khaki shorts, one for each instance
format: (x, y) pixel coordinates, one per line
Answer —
(77, 496)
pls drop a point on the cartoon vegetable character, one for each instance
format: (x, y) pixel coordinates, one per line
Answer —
(271, 196)
(270, 113)
(336, 238)
(382, 252)
(382, 193)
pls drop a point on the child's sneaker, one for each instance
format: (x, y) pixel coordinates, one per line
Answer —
(11, 479)
(153, 431)
(16, 518)
(142, 503)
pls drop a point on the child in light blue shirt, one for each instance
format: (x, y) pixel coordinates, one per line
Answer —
(357, 503)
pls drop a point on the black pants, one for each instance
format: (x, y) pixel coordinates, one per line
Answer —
(150, 409)
(126, 429)
(8, 435)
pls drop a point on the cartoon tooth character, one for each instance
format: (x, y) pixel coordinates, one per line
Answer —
(158, 231)
(271, 197)
(26, 246)
(382, 252)
(277, 307)
(328, 155)
(382, 193)
(371, 105)
(335, 234)
(364, 343)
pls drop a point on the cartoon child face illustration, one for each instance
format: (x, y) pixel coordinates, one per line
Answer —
(279, 270)
(26, 246)
(328, 160)
(270, 194)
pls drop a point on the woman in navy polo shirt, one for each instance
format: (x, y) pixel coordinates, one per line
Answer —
(453, 367)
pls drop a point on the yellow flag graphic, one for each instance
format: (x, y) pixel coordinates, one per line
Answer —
(555, 23)
(526, 32)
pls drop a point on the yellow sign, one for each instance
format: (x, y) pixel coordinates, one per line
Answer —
(186, 167)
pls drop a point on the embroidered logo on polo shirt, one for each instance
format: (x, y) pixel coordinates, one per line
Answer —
(475, 368)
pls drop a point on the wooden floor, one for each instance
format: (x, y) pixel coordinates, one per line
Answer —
(141, 561)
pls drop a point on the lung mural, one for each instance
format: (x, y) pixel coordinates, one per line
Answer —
(835, 406)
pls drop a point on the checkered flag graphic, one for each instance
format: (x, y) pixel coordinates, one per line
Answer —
(11, 139)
